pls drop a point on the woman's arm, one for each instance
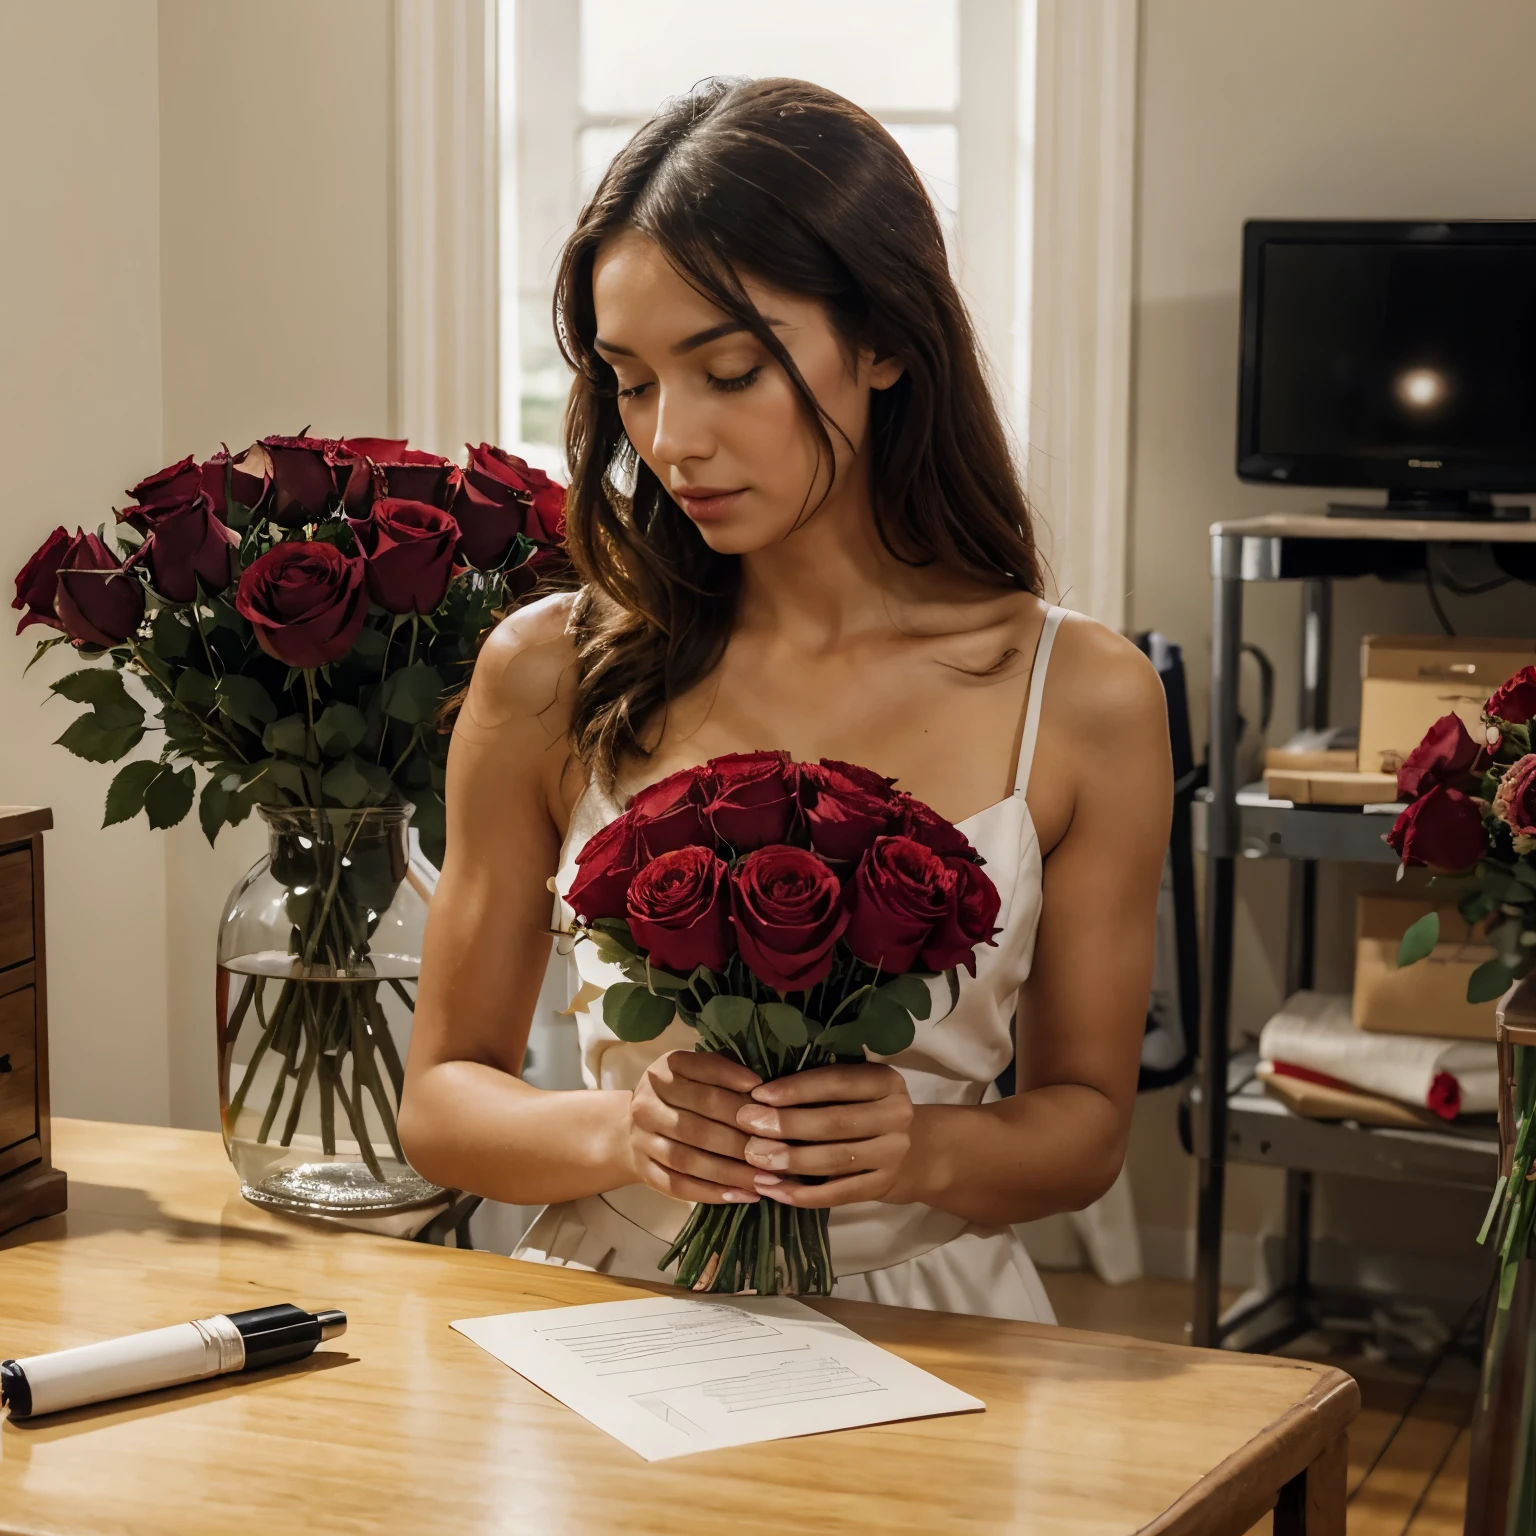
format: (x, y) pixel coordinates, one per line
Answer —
(1058, 1144)
(467, 1120)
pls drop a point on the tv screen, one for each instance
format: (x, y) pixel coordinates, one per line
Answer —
(1392, 355)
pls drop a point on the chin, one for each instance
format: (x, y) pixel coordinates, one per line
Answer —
(740, 537)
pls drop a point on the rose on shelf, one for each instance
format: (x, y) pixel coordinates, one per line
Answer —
(793, 915)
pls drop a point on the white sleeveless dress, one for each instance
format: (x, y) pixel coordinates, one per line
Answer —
(902, 1255)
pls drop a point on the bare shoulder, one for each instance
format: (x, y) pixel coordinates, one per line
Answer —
(1113, 687)
(525, 672)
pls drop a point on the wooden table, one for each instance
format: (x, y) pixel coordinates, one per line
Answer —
(403, 1425)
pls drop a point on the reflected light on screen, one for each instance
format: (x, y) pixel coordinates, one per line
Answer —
(1421, 389)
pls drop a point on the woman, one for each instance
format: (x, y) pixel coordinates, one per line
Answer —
(798, 527)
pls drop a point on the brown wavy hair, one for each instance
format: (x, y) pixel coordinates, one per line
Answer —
(807, 193)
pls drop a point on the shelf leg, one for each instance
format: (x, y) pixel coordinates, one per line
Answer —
(1220, 891)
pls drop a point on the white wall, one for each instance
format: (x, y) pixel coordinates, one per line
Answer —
(1311, 108)
(79, 421)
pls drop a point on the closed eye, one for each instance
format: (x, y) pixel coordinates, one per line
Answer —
(741, 381)
(633, 392)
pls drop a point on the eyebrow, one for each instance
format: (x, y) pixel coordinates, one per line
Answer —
(691, 343)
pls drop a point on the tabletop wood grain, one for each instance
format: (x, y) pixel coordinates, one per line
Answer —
(404, 1425)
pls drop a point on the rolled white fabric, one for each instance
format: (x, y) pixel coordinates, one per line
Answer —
(1314, 1032)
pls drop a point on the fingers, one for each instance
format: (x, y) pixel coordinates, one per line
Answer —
(679, 1081)
(828, 1122)
(688, 1173)
(710, 1133)
(711, 1067)
(849, 1191)
(846, 1083)
(827, 1159)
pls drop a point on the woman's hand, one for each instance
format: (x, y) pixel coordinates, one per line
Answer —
(853, 1122)
(684, 1138)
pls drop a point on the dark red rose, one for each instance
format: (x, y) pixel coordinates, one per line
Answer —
(866, 778)
(407, 554)
(1515, 702)
(246, 487)
(176, 482)
(753, 799)
(670, 813)
(1445, 756)
(1443, 827)
(38, 581)
(787, 909)
(679, 910)
(502, 478)
(97, 600)
(970, 920)
(303, 481)
(900, 893)
(305, 602)
(924, 825)
(842, 816)
(184, 543)
(607, 863)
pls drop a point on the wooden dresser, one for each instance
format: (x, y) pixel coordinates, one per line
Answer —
(30, 1186)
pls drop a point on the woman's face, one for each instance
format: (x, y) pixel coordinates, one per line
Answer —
(711, 413)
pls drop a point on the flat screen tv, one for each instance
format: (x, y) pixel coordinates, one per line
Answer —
(1390, 355)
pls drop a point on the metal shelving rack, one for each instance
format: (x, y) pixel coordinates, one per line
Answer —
(1231, 1119)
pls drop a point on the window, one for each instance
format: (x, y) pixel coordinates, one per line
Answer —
(951, 79)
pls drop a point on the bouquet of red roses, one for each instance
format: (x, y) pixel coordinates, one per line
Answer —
(792, 914)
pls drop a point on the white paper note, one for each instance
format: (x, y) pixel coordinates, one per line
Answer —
(672, 1375)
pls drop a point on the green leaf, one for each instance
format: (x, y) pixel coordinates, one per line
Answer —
(888, 1028)
(169, 797)
(412, 694)
(727, 1015)
(345, 784)
(910, 993)
(96, 743)
(213, 807)
(125, 797)
(1491, 980)
(245, 701)
(635, 1014)
(786, 1023)
(1419, 940)
(102, 688)
(285, 735)
(659, 980)
(370, 644)
(43, 647)
(225, 616)
(339, 729)
(1476, 906)
(195, 690)
(845, 1039)
(170, 639)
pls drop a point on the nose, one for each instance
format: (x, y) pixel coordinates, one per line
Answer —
(682, 431)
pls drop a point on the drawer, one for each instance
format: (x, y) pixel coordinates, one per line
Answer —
(16, 942)
(18, 1050)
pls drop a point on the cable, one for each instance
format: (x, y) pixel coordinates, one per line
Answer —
(1452, 583)
(1434, 601)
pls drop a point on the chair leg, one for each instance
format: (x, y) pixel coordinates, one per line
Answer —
(1312, 1503)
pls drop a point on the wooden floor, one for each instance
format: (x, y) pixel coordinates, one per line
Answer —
(1406, 1475)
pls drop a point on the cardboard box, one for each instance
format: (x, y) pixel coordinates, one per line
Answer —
(1429, 998)
(1321, 787)
(1320, 759)
(1408, 681)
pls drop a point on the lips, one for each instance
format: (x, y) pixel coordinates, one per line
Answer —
(707, 503)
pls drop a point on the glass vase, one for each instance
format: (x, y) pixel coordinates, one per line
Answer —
(318, 956)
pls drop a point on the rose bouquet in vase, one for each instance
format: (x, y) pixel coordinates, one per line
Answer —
(793, 915)
(292, 619)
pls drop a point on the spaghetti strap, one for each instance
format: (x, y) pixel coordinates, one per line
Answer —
(1053, 618)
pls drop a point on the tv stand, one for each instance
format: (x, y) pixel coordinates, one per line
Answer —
(1434, 506)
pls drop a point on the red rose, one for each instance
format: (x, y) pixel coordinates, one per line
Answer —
(176, 482)
(97, 600)
(304, 484)
(970, 920)
(494, 476)
(306, 602)
(866, 778)
(407, 554)
(1442, 827)
(924, 825)
(1445, 756)
(38, 581)
(184, 543)
(1514, 801)
(842, 815)
(900, 893)
(786, 907)
(670, 813)
(678, 910)
(607, 863)
(753, 803)
(224, 479)
(1515, 702)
